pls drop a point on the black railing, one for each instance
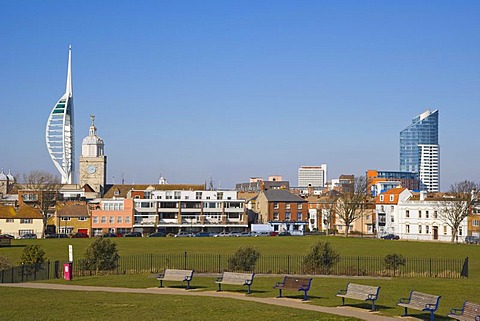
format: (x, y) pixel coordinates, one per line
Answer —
(289, 264)
(34, 272)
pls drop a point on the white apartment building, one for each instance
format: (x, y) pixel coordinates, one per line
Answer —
(413, 217)
(174, 210)
(430, 167)
(312, 176)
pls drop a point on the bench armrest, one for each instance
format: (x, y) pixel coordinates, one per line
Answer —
(160, 276)
(278, 284)
(188, 277)
(342, 292)
(248, 282)
(372, 297)
(456, 311)
(404, 300)
(430, 306)
(219, 279)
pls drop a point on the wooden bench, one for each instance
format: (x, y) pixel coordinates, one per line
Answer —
(235, 278)
(421, 301)
(294, 283)
(360, 292)
(175, 275)
(469, 311)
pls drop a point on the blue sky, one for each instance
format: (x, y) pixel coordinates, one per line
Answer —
(234, 89)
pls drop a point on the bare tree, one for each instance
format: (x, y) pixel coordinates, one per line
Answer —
(350, 204)
(464, 187)
(454, 208)
(46, 185)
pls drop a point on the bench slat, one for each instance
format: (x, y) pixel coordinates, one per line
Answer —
(360, 292)
(175, 275)
(236, 278)
(294, 283)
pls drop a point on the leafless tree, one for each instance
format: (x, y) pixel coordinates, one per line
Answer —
(464, 187)
(350, 204)
(46, 185)
(455, 207)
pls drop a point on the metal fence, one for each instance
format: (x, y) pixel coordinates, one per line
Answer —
(34, 272)
(289, 264)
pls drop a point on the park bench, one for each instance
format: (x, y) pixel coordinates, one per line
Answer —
(175, 275)
(469, 311)
(235, 278)
(421, 301)
(360, 292)
(294, 283)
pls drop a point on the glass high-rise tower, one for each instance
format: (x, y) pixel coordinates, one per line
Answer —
(420, 151)
(60, 133)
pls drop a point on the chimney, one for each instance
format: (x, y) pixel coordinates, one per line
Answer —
(423, 195)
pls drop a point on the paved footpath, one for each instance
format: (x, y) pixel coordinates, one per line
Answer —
(284, 302)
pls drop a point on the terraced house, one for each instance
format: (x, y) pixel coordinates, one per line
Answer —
(18, 221)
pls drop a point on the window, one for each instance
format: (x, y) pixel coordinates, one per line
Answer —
(476, 223)
(392, 208)
(287, 216)
(127, 219)
(287, 206)
(66, 218)
(82, 218)
(168, 195)
(177, 195)
(30, 197)
(219, 195)
(407, 229)
(275, 216)
(111, 219)
(392, 197)
(9, 220)
(26, 221)
(275, 205)
(104, 219)
(419, 229)
(419, 214)
(407, 213)
(445, 230)
(426, 214)
(381, 198)
(300, 206)
(299, 216)
(460, 231)
(119, 219)
(198, 195)
(435, 214)
(95, 219)
(392, 218)
(427, 229)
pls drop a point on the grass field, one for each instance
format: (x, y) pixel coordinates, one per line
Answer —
(453, 291)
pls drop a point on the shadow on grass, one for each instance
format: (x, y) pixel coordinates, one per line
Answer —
(367, 306)
(426, 316)
(18, 245)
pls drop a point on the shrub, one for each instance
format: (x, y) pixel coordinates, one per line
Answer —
(244, 259)
(32, 254)
(4, 263)
(321, 258)
(394, 261)
(101, 255)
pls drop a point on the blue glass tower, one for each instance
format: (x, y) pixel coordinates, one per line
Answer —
(423, 131)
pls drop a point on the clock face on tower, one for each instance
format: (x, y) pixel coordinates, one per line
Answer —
(91, 169)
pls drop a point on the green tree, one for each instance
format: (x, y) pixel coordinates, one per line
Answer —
(32, 254)
(101, 255)
(244, 259)
(321, 258)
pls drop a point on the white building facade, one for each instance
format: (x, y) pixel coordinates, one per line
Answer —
(312, 176)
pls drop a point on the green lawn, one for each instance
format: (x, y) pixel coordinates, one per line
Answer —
(453, 291)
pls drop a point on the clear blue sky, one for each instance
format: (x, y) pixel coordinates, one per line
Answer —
(233, 89)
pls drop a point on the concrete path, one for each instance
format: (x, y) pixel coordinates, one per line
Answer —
(284, 302)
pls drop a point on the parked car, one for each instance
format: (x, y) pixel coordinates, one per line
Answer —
(109, 235)
(222, 234)
(234, 234)
(284, 233)
(390, 237)
(29, 236)
(202, 234)
(6, 236)
(257, 234)
(80, 236)
(183, 234)
(472, 240)
(133, 234)
(56, 236)
(245, 234)
(157, 234)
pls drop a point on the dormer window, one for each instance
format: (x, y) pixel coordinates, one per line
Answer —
(381, 198)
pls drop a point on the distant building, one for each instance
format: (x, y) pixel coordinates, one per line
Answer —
(420, 151)
(406, 179)
(6, 183)
(256, 184)
(314, 176)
